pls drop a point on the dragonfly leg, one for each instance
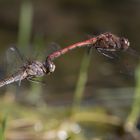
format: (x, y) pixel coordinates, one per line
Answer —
(19, 83)
(102, 51)
(108, 53)
(35, 80)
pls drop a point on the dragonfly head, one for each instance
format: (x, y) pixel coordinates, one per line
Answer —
(124, 43)
(50, 66)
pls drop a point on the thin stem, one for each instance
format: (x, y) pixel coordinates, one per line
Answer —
(83, 76)
(131, 121)
(25, 24)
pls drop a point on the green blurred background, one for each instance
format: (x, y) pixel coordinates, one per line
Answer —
(88, 97)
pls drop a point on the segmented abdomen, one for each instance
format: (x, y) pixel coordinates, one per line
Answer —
(13, 78)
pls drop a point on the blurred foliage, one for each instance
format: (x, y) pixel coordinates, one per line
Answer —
(133, 117)
(3, 127)
(105, 91)
(81, 83)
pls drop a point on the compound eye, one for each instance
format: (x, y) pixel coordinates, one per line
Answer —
(125, 41)
(49, 66)
(52, 67)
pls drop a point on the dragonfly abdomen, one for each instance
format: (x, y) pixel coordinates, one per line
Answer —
(13, 78)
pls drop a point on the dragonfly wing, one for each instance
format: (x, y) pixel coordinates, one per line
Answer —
(34, 80)
(18, 54)
(52, 47)
(43, 52)
(14, 59)
(13, 50)
(133, 52)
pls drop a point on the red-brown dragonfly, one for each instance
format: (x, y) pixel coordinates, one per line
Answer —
(106, 44)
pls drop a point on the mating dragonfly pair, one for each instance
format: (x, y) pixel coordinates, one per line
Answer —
(107, 44)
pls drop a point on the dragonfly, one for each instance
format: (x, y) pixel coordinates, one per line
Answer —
(29, 70)
(106, 44)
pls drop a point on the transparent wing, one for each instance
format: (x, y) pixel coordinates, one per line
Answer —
(41, 50)
(52, 47)
(133, 52)
(18, 54)
(14, 59)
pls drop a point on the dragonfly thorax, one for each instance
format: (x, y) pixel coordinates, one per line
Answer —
(35, 68)
(111, 43)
